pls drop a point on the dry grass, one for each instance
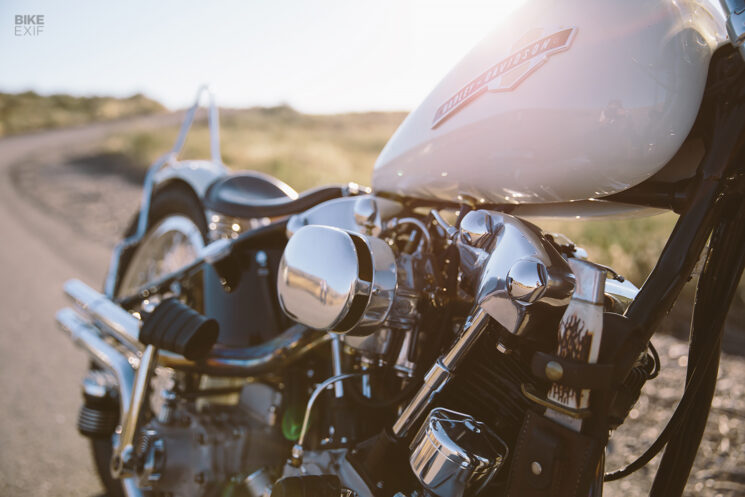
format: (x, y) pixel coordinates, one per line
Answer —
(24, 112)
(630, 246)
(303, 150)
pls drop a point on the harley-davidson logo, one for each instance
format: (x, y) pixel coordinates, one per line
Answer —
(506, 74)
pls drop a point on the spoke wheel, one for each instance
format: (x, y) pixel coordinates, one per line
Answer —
(177, 231)
(170, 245)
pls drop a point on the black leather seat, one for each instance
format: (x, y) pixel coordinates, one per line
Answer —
(252, 195)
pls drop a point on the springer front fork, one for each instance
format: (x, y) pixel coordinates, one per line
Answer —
(123, 460)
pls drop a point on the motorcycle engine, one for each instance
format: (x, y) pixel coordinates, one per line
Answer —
(394, 290)
(355, 268)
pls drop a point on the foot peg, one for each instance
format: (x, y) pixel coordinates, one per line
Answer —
(176, 327)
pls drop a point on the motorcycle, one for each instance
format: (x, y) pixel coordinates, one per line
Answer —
(422, 337)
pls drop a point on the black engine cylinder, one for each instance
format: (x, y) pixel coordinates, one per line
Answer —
(99, 413)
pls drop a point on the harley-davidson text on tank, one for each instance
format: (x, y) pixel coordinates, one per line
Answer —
(506, 74)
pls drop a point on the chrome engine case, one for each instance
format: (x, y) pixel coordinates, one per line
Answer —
(198, 450)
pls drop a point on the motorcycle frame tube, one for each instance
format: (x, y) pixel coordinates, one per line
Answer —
(721, 173)
(716, 288)
(292, 344)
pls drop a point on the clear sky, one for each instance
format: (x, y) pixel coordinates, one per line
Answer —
(316, 55)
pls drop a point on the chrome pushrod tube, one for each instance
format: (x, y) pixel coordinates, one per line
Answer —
(441, 373)
(114, 321)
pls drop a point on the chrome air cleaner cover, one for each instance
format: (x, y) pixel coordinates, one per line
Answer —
(337, 280)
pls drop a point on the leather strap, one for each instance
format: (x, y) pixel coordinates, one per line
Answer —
(551, 460)
(576, 375)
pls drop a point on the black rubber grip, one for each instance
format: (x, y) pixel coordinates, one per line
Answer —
(176, 327)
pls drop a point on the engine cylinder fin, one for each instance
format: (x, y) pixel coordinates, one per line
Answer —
(487, 387)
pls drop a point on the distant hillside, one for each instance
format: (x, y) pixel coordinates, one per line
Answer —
(29, 111)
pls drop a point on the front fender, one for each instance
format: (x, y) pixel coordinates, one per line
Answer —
(198, 174)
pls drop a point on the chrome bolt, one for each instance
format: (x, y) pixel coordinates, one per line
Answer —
(166, 413)
(554, 371)
(365, 212)
(261, 258)
(526, 280)
(296, 456)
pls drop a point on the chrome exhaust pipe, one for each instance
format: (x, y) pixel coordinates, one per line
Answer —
(88, 337)
(108, 316)
(114, 321)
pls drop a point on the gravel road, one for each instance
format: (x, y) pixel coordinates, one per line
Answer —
(59, 218)
(41, 453)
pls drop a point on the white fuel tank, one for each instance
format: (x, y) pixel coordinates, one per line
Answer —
(565, 101)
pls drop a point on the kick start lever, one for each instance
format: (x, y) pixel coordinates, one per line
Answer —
(172, 326)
